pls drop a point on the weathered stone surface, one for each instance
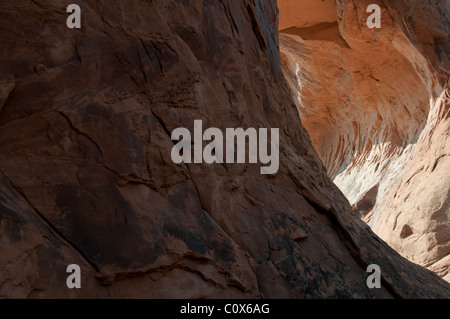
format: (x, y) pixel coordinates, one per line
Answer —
(7, 84)
(86, 176)
(375, 104)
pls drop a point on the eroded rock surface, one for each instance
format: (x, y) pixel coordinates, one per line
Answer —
(375, 104)
(86, 175)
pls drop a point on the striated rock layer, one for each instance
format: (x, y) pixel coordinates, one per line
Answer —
(375, 103)
(86, 175)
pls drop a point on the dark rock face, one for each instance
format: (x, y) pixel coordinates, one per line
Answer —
(86, 175)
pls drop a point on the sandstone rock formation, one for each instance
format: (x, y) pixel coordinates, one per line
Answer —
(375, 103)
(86, 175)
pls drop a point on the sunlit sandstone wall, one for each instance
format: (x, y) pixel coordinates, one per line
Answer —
(375, 104)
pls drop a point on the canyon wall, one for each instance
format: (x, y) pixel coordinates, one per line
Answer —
(86, 175)
(375, 103)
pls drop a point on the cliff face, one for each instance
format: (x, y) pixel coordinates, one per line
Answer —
(375, 103)
(86, 175)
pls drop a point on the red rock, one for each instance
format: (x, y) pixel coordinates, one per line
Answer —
(375, 104)
(86, 176)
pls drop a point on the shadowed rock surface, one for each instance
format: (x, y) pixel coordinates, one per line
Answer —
(375, 103)
(86, 175)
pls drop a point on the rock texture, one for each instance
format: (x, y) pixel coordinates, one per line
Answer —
(86, 176)
(375, 103)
